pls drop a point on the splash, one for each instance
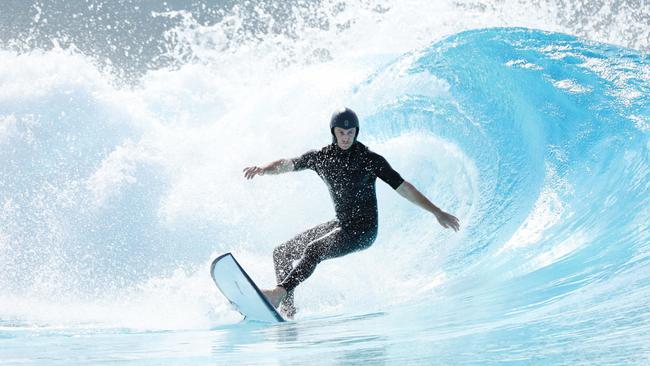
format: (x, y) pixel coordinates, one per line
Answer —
(114, 197)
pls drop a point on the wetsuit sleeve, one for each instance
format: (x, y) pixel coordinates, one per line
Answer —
(305, 161)
(385, 172)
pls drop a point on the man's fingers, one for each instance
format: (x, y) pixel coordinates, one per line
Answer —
(450, 222)
(250, 172)
(455, 224)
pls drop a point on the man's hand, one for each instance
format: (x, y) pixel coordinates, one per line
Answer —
(276, 167)
(252, 171)
(448, 220)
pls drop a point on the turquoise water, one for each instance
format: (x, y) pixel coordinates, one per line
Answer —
(115, 198)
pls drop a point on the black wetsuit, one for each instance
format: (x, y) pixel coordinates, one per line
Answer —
(350, 176)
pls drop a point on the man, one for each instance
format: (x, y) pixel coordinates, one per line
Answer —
(349, 169)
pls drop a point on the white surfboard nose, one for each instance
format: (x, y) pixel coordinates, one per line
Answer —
(235, 284)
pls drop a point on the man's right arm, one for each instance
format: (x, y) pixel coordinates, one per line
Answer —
(276, 167)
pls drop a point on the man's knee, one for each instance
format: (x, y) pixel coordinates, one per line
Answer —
(279, 253)
(313, 254)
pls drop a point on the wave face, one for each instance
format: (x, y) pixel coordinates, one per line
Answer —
(552, 187)
(119, 186)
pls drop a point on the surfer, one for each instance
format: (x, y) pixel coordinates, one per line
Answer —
(349, 169)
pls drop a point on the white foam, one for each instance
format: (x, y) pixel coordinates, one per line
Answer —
(547, 211)
(7, 128)
(39, 73)
(183, 300)
(523, 64)
(251, 102)
(116, 170)
(571, 86)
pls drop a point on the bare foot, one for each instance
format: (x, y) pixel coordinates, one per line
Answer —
(276, 295)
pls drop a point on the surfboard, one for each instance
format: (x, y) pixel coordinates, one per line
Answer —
(237, 286)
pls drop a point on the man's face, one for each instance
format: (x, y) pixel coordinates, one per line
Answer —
(344, 137)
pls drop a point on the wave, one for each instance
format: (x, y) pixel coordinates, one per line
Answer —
(116, 197)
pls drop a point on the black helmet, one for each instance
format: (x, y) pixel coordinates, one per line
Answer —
(344, 118)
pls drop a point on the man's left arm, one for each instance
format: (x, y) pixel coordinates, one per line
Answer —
(408, 191)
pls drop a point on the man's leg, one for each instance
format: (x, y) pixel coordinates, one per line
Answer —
(335, 244)
(292, 250)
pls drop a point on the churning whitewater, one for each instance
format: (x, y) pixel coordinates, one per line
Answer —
(121, 180)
